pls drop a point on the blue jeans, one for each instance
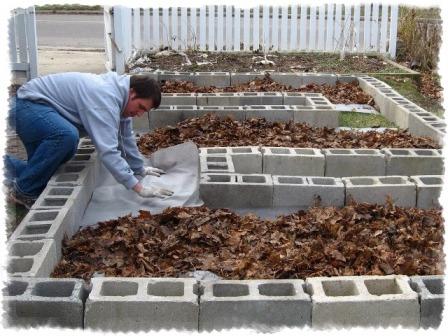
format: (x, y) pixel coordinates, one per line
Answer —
(49, 140)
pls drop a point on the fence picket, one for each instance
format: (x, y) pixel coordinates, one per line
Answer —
(237, 30)
(312, 40)
(303, 24)
(330, 28)
(393, 31)
(293, 36)
(183, 39)
(275, 45)
(202, 28)
(337, 28)
(246, 29)
(175, 27)
(229, 25)
(384, 23)
(374, 27)
(211, 28)
(321, 28)
(193, 33)
(266, 40)
(219, 28)
(136, 36)
(356, 25)
(256, 27)
(367, 26)
(284, 29)
(146, 29)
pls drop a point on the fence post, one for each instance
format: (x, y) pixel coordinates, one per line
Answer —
(393, 31)
(118, 39)
(31, 41)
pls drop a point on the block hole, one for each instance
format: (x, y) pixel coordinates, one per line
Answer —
(54, 289)
(281, 289)
(119, 288)
(340, 288)
(15, 288)
(25, 249)
(290, 180)
(166, 288)
(434, 286)
(228, 290)
(382, 286)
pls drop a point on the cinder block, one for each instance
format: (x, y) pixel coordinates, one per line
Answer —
(32, 258)
(316, 117)
(237, 78)
(293, 161)
(319, 79)
(294, 98)
(236, 190)
(142, 304)
(85, 142)
(234, 112)
(413, 161)
(429, 189)
(287, 78)
(374, 189)
(363, 301)
(33, 302)
(170, 117)
(354, 162)
(430, 289)
(320, 102)
(56, 197)
(216, 164)
(304, 192)
(152, 74)
(270, 112)
(246, 159)
(218, 79)
(47, 224)
(218, 99)
(421, 123)
(347, 79)
(258, 304)
(175, 75)
(178, 99)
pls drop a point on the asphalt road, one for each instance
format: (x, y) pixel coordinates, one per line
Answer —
(70, 31)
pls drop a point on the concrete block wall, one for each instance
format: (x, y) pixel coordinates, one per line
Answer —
(430, 289)
(47, 224)
(216, 164)
(402, 111)
(413, 161)
(246, 159)
(257, 304)
(34, 302)
(35, 258)
(368, 301)
(171, 115)
(376, 189)
(304, 192)
(293, 161)
(354, 162)
(141, 304)
(429, 189)
(236, 190)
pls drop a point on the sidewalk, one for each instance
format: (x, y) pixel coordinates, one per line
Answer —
(53, 60)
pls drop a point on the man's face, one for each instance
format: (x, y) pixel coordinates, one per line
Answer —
(137, 106)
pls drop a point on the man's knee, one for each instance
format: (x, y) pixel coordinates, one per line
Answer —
(70, 139)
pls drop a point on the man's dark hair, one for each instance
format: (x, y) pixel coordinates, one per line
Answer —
(146, 87)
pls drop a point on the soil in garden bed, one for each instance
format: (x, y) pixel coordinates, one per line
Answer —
(341, 93)
(256, 61)
(212, 131)
(359, 239)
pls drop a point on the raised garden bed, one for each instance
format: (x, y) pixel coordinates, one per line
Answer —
(212, 131)
(360, 239)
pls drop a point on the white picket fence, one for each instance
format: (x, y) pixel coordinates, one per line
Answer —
(329, 27)
(23, 44)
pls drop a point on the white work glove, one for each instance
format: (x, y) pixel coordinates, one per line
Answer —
(152, 171)
(155, 192)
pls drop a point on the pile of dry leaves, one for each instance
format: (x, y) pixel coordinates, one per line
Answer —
(359, 239)
(212, 131)
(341, 93)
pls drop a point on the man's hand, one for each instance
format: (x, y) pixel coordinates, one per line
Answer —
(152, 191)
(153, 171)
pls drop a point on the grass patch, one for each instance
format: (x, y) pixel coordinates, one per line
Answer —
(363, 120)
(408, 88)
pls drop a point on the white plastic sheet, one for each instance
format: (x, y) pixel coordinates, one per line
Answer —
(111, 200)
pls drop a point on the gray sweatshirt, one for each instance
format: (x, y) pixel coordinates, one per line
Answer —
(94, 103)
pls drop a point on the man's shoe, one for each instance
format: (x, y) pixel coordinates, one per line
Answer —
(19, 198)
